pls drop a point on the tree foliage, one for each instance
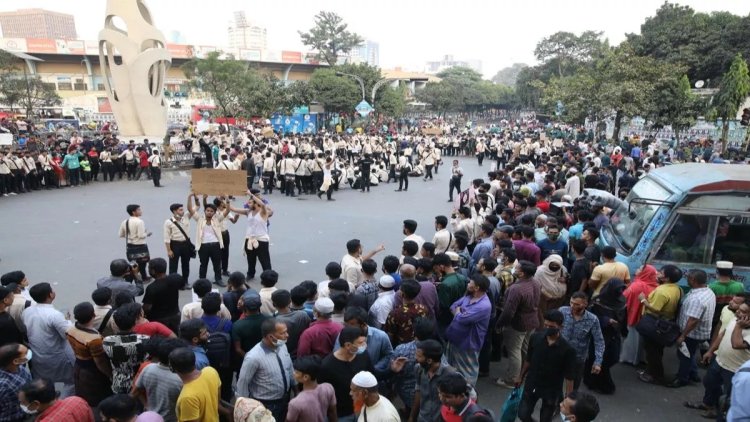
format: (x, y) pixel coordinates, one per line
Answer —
(566, 52)
(330, 37)
(221, 79)
(735, 86)
(336, 93)
(28, 92)
(508, 75)
(463, 89)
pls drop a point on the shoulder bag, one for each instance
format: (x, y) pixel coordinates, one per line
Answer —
(660, 330)
(191, 246)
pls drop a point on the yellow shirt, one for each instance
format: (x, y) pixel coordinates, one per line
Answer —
(602, 273)
(665, 299)
(199, 399)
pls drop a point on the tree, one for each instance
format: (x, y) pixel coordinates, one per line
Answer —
(19, 88)
(674, 105)
(221, 79)
(391, 101)
(337, 94)
(567, 51)
(330, 37)
(508, 76)
(735, 86)
(441, 96)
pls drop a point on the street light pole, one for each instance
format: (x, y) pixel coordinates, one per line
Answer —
(360, 80)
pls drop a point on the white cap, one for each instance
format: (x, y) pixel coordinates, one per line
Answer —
(365, 379)
(324, 305)
(387, 282)
(724, 265)
(573, 170)
(453, 256)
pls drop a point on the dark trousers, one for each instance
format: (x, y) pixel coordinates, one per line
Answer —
(225, 251)
(365, 181)
(480, 158)
(528, 402)
(262, 254)
(6, 184)
(403, 180)
(140, 171)
(717, 381)
(391, 174)
(180, 254)
(455, 183)
(95, 166)
(317, 181)
(18, 181)
(75, 176)
(108, 169)
(210, 251)
(172, 322)
(268, 182)
(277, 408)
(289, 185)
(428, 171)
(131, 168)
(156, 175)
(654, 356)
(689, 366)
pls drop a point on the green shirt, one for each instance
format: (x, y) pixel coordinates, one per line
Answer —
(725, 291)
(452, 287)
(247, 331)
(85, 165)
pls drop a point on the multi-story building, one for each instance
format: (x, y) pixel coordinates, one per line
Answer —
(38, 23)
(368, 52)
(449, 61)
(244, 34)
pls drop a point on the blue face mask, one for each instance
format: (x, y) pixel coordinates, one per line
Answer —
(361, 349)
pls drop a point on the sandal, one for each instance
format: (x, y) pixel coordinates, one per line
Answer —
(648, 379)
(698, 405)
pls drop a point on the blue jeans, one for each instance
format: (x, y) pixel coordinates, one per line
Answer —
(689, 366)
(716, 381)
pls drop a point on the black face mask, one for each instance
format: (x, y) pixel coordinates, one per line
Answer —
(425, 365)
(551, 332)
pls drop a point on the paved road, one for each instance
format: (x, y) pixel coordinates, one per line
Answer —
(69, 236)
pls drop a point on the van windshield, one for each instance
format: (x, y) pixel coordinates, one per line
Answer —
(627, 227)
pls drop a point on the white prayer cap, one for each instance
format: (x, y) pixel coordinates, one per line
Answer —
(365, 379)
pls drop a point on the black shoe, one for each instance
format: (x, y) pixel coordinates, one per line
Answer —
(331, 199)
(187, 286)
(320, 195)
(219, 282)
(676, 383)
(225, 273)
(398, 190)
(249, 277)
(450, 200)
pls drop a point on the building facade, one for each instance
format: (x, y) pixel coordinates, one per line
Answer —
(244, 34)
(449, 61)
(38, 23)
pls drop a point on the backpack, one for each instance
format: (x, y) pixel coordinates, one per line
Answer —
(218, 347)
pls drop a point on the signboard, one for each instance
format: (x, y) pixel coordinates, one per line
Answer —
(364, 108)
(432, 131)
(181, 51)
(103, 105)
(70, 47)
(297, 123)
(249, 55)
(13, 44)
(291, 57)
(268, 132)
(218, 182)
(38, 45)
(6, 139)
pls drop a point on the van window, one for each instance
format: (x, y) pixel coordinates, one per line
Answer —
(731, 242)
(628, 225)
(687, 240)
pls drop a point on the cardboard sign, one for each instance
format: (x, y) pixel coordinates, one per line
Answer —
(432, 131)
(219, 182)
(268, 132)
(6, 139)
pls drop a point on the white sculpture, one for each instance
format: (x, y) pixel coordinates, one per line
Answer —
(134, 80)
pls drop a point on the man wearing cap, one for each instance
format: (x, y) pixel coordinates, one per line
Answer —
(375, 408)
(267, 374)
(319, 338)
(410, 227)
(573, 184)
(384, 303)
(246, 332)
(724, 287)
(351, 263)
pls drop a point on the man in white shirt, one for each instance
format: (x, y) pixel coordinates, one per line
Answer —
(351, 263)
(177, 240)
(154, 161)
(383, 305)
(443, 239)
(410, 226)
(375, 407)
(573, 184)
(208, 240)
(133, 230)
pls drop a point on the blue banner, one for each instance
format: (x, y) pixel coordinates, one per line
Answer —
(296, 123)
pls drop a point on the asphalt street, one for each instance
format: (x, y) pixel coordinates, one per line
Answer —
(68, 237)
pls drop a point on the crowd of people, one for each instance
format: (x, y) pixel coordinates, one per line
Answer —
(514, 275)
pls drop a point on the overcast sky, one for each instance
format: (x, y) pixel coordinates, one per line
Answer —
(410, 32)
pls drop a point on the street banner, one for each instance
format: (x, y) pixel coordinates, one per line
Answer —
(432, 131)
(218, 182)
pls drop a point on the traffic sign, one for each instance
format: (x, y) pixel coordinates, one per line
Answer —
(364, 108)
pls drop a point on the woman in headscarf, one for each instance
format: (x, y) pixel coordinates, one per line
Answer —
(609, 307)
(645, 282)
(552, 278)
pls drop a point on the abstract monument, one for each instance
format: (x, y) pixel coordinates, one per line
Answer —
(134, 62)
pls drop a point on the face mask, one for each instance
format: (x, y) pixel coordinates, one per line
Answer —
(279, 342)
(425, 365)
(361, 349)
(27, 410)
(554, 236)
(552, 332)
(564, 418)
